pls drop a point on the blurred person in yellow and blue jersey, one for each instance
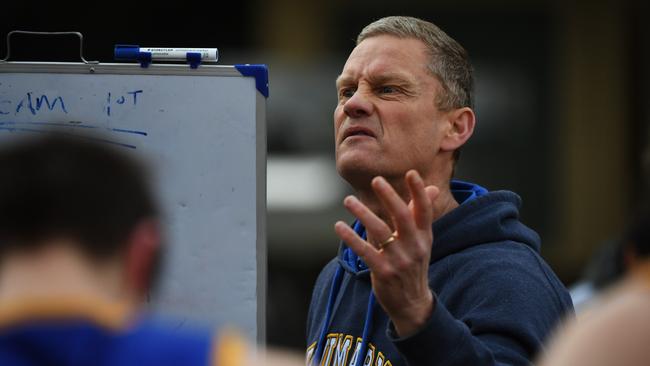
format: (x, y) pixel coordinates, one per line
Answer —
(80, 245)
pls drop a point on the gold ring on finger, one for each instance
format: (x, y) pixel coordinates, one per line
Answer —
(386, 242)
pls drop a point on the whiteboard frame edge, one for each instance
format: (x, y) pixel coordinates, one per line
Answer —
(115, 68)
(262, 246)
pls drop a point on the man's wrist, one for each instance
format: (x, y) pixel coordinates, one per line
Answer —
(413, 319)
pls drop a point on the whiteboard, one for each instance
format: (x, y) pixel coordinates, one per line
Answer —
(203, 132)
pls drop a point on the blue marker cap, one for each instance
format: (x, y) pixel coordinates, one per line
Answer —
(126, 52)
(194, 58)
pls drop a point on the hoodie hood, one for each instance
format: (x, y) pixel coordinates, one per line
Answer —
(486, 217)
(493, 217)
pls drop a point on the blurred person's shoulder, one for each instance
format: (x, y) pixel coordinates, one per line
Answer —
(613, 330)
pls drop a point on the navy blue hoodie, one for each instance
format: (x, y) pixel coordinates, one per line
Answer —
(496, 300)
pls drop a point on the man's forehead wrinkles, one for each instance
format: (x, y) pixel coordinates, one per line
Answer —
(374, 78)
(391, 76)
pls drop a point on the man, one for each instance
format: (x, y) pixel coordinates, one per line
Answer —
(79, 248)
(615, 328)
(451, 277)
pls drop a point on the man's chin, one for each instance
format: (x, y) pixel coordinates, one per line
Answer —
(359, 171)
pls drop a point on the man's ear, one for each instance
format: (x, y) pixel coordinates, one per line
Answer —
(461, 128)
(142, 255)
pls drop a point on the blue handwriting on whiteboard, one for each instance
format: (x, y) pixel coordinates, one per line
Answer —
(32, 104)
(121, 100)
(63, 129)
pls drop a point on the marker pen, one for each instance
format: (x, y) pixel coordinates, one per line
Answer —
(134, 53)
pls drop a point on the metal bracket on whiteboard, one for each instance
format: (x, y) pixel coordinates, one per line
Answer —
(81, 41)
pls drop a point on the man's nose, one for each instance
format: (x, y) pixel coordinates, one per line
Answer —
(359, 105)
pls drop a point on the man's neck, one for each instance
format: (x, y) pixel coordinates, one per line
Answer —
(58, 271)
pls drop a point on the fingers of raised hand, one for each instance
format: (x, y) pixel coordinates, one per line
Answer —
(362, 248)
(397, 208)
(375, 226)
(422, 198)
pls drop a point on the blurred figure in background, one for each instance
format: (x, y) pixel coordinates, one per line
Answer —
(614, 326)
(80, 245)
(615, 329)
(605, 267)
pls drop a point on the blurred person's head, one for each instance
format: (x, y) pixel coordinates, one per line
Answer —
(404, 102)
(76, 202)
(614, 329)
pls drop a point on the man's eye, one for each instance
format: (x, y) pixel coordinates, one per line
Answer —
(347, 92)
(387, 89)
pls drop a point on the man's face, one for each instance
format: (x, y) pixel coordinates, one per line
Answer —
(386, 121)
